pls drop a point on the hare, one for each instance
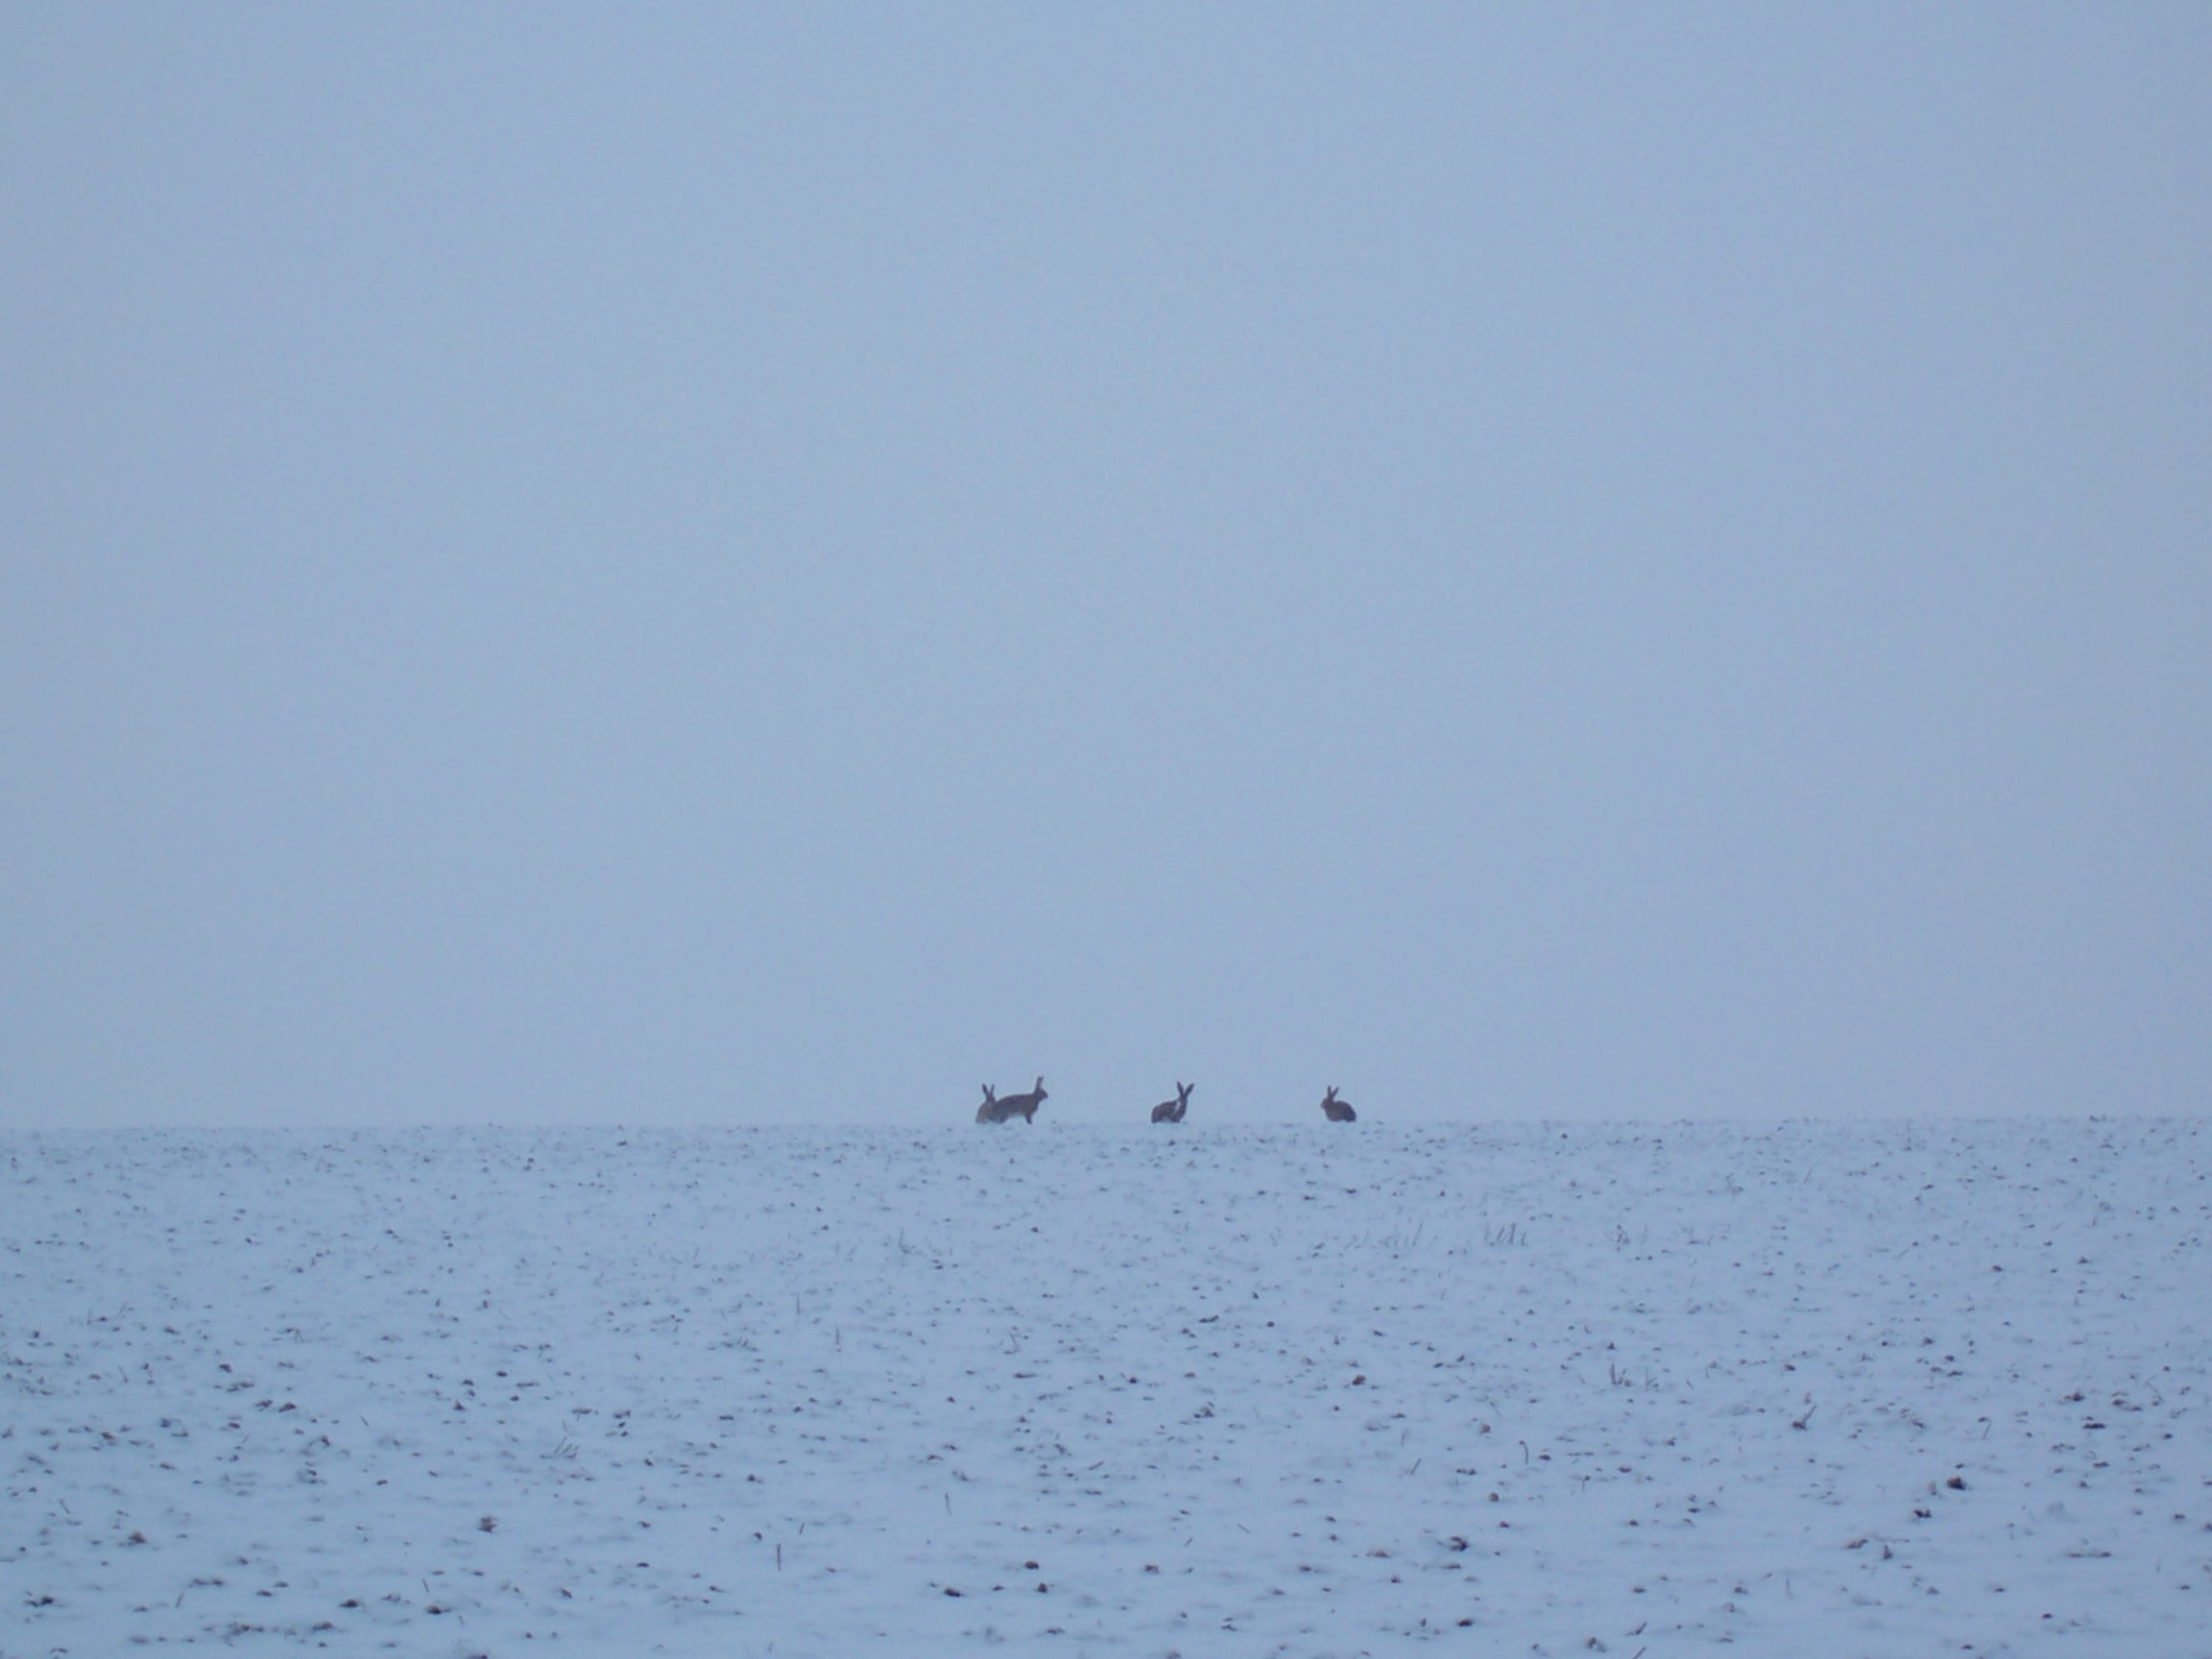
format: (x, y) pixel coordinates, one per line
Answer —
(1338, 1111)
(1003, 1107)
(1171, 1111)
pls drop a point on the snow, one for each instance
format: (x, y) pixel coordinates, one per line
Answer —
(1812, 1389)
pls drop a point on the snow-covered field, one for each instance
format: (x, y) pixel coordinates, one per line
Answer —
(1807, 1389)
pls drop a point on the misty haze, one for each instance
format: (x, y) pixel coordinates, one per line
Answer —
(1204, 830)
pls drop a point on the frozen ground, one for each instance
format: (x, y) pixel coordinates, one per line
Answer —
(1810, 1389)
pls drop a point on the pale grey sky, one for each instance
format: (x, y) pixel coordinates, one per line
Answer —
(721, 564)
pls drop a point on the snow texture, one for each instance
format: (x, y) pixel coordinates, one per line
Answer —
(1814, 1389)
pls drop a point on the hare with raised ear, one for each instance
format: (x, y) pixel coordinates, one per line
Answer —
(1171, 1111)
(988, 1112)
(1338, 1111)
(1025, 1105)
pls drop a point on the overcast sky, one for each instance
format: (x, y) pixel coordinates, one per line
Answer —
(708, 564)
